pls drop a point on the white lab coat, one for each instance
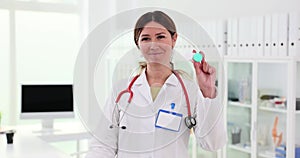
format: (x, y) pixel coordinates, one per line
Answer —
(141, 139)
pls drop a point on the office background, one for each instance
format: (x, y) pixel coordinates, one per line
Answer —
(39, 39)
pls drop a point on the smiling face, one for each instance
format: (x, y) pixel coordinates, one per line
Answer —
(156, 43)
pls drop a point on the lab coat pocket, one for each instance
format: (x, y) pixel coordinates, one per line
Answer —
(134, 138)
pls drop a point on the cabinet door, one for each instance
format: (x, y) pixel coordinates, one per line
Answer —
(239, 109)
(272, 85)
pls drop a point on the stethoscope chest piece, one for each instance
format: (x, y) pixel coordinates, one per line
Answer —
(190, 122)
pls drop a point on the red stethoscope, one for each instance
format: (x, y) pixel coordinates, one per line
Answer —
(190, 121)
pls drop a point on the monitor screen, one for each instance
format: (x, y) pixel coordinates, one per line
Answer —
(46, 98)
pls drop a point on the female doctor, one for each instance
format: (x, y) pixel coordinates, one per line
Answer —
(165, 106)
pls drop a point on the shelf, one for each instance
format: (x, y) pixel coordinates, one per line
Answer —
(239, 104)
(240, 147)
(266, 154)
(273, 109)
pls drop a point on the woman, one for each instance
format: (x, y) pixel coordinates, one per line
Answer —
(133, 131)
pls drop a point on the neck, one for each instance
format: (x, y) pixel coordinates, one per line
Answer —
(157, 74)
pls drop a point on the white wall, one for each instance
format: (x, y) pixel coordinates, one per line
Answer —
(198, 9)
(43, 50)
(4, 65)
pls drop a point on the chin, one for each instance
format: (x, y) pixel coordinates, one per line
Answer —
(159, 63)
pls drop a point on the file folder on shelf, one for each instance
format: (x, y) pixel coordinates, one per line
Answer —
(256, 36)
(250, 36)
(259, 36)
(274, 34)
(234, 37)
(209, 27)
(294, 35)
(220, 39)
(229, 37)
(282, 34)
(216, 31)
(213, 34)
(244, 29)
(267, 35)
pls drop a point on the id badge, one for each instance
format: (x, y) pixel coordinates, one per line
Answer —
(168, 120)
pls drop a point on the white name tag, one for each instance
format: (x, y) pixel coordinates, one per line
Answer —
(168, 120)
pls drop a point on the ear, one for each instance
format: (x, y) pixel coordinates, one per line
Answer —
(174, 39)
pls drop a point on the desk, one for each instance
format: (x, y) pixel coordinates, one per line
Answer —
(65, 131)
(36, 145)
(28, 146)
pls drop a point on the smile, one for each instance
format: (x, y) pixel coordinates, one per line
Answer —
(155, 53)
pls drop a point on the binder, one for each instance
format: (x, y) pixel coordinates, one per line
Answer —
(282, 34)
(209, 28)
(235, 38)
(253, 37)
(220, 36)
(244, 28)
(229, 37)
(267, 35)
(213, 35)
(260, 36)
(294, 35)
(274, 34)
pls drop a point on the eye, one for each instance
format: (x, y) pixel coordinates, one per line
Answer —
(145, 39)
(161, 37)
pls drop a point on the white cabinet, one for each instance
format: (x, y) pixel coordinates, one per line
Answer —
(262, 58)
(239, 107)
(272, 80)
(247, 79)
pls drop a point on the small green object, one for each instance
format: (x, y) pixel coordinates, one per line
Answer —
(197, 57)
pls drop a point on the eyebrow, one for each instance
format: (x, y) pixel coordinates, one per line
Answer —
(155, 34)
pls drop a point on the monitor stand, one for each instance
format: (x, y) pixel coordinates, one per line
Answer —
(47, 127)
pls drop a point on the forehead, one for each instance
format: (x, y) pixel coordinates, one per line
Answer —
(153, 26)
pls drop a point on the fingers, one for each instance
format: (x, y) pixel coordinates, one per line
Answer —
(211, 70)
(197, 67)
(203, 66)
(208, 69)
(203, 56)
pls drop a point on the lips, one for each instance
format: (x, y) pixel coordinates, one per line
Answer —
(155, 53)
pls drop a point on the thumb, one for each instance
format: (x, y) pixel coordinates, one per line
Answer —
(197, 66)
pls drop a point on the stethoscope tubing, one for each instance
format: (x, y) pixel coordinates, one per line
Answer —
(185, 93)
(128, 90)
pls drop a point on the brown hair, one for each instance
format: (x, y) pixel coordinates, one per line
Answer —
(156, 16)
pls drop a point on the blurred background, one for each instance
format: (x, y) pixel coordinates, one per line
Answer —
(40, 40)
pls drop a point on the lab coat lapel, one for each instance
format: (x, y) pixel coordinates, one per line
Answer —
(141, 88)
(169, 91)
(172, 81)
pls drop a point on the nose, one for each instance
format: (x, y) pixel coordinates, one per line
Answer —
(153, 46)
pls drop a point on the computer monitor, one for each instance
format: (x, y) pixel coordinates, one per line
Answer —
(46, 102)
